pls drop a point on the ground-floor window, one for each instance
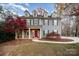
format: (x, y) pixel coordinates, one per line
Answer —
(48, 31)
(26, 33)
(52, 30)
(43, 33)
(55, 30)
(19, 34)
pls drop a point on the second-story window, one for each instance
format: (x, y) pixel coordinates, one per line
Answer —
(27, 14)
(40, 22)
(35, 21)
(52, 22)
(45, 15)
(34, 14)
(43, 22)
(30, 21)
(48, 22)
(55, 22)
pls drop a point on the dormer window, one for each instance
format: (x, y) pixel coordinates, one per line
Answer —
(40, 12)
(45, 15)
(27, 14)
(35, 14)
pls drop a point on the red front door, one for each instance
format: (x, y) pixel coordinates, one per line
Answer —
(36, 33)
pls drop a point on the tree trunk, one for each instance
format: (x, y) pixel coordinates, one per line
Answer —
(76, 30)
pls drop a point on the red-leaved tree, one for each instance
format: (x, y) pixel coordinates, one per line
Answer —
(13, 25)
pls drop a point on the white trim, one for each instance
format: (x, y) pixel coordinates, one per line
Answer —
(22, 34)
(42, 41)
(40, 33)
(29, 33)
(15, 35)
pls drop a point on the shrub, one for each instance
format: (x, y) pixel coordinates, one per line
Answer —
(52, 35)
(4, 36)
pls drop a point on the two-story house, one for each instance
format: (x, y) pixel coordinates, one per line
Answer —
(39, 24)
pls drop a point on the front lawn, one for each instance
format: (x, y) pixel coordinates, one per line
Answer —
(41, 49)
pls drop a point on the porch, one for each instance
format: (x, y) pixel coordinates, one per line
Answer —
(30, 33)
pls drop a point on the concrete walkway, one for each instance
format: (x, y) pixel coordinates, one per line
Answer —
(75, 40)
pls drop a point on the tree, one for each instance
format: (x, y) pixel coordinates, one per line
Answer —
(69, 12)
(15, 24)
(75, 12)
(1, 25)
(66, 27)
(1, 9)
(11, 24)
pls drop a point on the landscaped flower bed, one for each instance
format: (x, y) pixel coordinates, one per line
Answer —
(60, 40)
(55, 37)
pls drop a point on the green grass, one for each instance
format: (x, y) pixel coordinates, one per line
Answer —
(45, 49)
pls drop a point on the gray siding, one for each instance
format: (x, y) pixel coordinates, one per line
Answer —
(47, 27)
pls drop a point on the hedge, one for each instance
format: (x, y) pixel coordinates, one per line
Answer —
(4, 36)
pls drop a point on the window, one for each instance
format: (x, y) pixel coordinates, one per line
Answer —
(45, 14)
(55, 22)
(52, 30)
(33, 21)
(52, 22)
(19, 34)
(30, 22)
(43, 22)
(55, 31)
(43, 33)
(27, 14)
(48, 31)
(34, 14)
(48, 22)
(40, 22)
(26, 33)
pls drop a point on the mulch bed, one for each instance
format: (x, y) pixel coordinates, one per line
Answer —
(53, 36)
(59, 40)
(16, 42)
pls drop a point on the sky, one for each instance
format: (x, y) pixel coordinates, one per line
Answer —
(19, 8)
